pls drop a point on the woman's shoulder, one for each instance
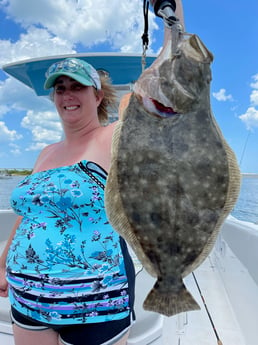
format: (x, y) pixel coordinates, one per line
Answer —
(43, 160)
(49, 149)
(107, 131)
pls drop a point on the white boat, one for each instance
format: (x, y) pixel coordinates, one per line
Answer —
(225, 285)
(5, 176)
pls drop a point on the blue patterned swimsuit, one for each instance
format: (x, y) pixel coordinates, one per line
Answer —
(66, 264)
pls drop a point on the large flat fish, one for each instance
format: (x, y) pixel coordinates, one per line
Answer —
(173, 178)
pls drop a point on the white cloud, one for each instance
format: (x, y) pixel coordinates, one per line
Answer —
(3, 108)
(43, 123)
(254, 97)
(254, 93)
(44, 126)
(14, 96)
(254, 85)
(15, 149)
(89, 22)
(222, 96)
(35, 42)
(36, 147)
(8, 135)
(250, 118)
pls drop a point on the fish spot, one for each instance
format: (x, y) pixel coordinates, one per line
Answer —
(142, 181)
(155, 218)
(136, 217)
(161, 183)
(136, 169)
(203, 238)
(146, 238)
(206, 185)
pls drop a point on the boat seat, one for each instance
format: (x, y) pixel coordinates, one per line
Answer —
(4, 310)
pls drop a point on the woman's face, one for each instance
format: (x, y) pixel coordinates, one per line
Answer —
(75, 101)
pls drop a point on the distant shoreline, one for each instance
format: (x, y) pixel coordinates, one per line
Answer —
(15, 172)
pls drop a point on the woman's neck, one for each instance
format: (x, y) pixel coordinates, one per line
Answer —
(82, 134)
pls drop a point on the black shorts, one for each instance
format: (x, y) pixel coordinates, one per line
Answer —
(106, 333)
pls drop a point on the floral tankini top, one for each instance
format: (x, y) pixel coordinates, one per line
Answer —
(66, 264)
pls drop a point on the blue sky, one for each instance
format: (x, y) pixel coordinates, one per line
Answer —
(31, 29)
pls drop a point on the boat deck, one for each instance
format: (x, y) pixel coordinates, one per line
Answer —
(200, 327)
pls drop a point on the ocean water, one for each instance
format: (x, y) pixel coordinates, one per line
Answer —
(7, 184)
(246, 208)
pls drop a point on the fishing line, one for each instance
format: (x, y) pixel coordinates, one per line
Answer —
(244, 149)
(210, 318)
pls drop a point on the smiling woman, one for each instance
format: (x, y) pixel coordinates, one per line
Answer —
(73, 99)
(82, 107)
(101, 83)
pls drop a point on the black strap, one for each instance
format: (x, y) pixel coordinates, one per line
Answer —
(93, 177)
(145, 37)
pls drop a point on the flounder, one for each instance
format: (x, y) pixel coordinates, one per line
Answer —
(173, 177)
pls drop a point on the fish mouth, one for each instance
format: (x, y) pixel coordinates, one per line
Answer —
(156, 108)
(162, 109)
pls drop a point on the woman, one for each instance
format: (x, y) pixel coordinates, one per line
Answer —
(71, 279)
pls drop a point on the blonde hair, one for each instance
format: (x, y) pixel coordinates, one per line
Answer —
(109, 101)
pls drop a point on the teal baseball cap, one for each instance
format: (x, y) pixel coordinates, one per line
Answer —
(74, 68)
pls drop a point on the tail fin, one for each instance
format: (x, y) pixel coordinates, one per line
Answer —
(170, 302)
